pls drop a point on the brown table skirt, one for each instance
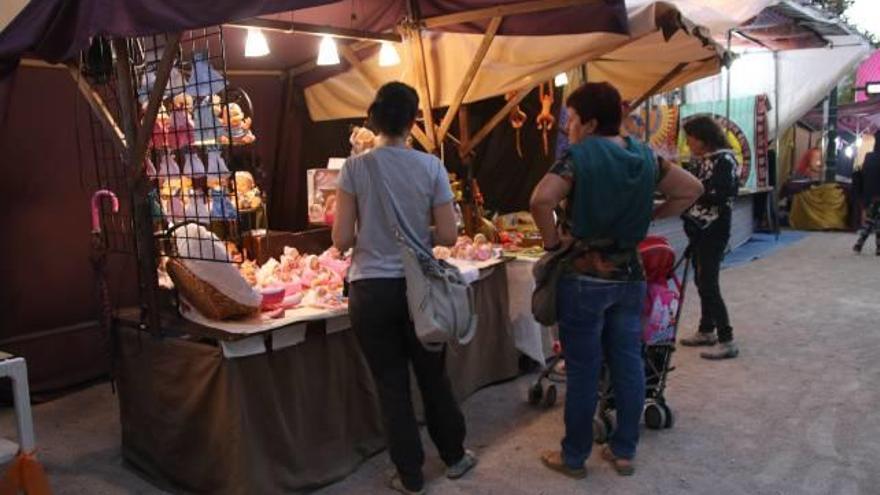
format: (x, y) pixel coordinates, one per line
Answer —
(288, 420)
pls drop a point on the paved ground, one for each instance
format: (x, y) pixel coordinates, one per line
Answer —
(796, 414)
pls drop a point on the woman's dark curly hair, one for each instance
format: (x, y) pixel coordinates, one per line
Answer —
(394, 109)
(705, 129)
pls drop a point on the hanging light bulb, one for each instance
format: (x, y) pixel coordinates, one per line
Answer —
(388, 55)
(561, 79)
(850, 151)
(327, 54)
(255, 44)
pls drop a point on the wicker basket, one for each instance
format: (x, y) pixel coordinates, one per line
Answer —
(207, 300)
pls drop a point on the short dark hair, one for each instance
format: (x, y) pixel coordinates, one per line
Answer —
(394, 109)
(600, 101)
(705, 129)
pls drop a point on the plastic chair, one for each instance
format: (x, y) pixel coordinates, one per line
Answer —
(24, 474)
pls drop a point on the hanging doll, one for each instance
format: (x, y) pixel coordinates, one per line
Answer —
(221, 205)
(249, 196)
(192, 164)
(168, 167)
(206, 119)
(161, 128)
(517, 120)
(197, 207)
(545, 119)
(240, 126)
(182, 131)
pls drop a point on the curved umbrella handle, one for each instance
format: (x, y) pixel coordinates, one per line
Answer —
(96, 201)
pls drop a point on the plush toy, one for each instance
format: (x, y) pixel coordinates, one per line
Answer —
(182, 128)
(249, 196)
(233, 116)
(362, 140)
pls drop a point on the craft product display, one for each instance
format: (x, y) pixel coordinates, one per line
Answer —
(477, 249)
(306, 280)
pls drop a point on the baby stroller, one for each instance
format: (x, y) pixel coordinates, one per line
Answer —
(661, 314)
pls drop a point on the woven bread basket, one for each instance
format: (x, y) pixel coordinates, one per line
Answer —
(209, 301)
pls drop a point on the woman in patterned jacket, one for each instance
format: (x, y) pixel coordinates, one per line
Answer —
(707, 224)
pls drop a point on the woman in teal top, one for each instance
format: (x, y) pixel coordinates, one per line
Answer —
(608, 182)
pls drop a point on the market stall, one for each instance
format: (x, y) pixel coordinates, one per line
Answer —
(238, 371)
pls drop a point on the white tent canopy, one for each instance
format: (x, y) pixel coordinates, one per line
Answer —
(716, 15)
(804, 78)
(515, 63)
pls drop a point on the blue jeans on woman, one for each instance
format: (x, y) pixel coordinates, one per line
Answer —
(601, 320)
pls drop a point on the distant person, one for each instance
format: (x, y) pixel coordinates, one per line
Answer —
(869, 195)
(608, 182)
(707, 225)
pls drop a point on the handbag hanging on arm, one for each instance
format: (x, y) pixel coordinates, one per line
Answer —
(441, 303)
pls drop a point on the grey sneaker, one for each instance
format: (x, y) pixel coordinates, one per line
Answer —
(700, 339)
(726, 350)
(462, 467)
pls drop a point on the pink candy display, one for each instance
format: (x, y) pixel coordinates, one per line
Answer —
(477, 249)
(306, 280)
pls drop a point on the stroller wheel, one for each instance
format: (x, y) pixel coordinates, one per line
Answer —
(655, 416)
(670, 417)
(600, 431)
(550, 397)
(536, 393)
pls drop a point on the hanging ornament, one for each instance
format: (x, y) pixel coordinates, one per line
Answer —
(517, 119)
(205, 80)
(546, 121)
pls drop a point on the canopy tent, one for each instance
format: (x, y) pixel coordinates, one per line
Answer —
(659, 41)
(792, 53)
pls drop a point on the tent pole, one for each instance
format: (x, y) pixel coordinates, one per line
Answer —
(412, 30)
(103, 114)
(729, 73)
(468, 78)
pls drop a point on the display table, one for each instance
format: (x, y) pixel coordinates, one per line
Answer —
(286, 413)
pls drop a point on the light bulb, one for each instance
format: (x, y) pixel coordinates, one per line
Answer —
(859, 142)
(850, 151)
(388, 55)
(255, 44)
(561, 79)
(327, 54)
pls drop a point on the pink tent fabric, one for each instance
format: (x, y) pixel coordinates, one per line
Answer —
(869, 71)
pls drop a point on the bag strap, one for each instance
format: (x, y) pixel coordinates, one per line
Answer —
(392, 217)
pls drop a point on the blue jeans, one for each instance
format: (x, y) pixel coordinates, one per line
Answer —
(601, 319)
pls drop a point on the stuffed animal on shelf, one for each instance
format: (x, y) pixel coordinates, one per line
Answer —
(182, 131)
(233, 117)
(249, 196)
(546, 121)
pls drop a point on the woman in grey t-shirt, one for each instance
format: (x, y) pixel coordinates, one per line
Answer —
(378, 307)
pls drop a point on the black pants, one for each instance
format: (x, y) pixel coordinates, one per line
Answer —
(871, 225)
(380, 317)
(708, 248)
